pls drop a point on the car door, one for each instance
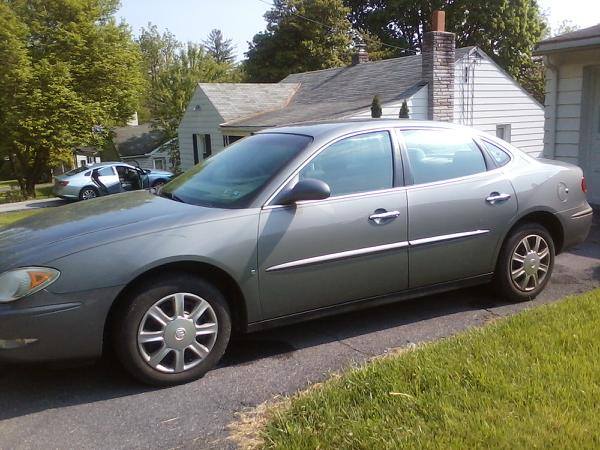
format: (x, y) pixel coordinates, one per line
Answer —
(460, 205)
(108, 180)
(350, 246)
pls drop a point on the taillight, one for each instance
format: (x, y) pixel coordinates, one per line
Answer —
(583, 185)
(63, 183)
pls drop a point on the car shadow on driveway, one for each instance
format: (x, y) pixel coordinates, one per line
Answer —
(33, 388)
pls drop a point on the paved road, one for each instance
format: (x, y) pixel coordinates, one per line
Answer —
(99, 407)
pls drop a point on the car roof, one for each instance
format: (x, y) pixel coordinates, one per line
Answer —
(323, 128)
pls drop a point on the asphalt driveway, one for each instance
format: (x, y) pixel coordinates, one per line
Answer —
(99, 407)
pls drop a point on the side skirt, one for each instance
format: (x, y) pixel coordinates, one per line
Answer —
(368, 303)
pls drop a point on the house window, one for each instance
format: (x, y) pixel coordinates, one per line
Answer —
(228, 140)
(503, 132)
(204, 141)
(207, 146)
(160, 163)
(90, 160)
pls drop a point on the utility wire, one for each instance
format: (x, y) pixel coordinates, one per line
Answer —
(327, 27)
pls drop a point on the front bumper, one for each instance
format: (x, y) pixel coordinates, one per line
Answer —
(50, 327)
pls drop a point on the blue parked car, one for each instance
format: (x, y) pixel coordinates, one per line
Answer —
(87, 182)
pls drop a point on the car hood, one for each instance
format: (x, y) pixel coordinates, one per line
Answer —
(64, 230)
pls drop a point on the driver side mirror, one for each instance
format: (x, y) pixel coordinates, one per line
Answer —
(307, 189)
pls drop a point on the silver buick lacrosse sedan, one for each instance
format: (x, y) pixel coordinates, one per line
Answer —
(285, 225)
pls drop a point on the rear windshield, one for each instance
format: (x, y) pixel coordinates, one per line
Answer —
(233, 177)
(77, 170)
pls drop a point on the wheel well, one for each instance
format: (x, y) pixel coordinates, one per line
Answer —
(221, 279)
(548, 221)
(160, 180)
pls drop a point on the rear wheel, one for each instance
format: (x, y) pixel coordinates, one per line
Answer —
(525, 263)
(88, 193)
(172, 330)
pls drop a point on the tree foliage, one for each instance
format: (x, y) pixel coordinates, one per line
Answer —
(173, 70)
(68, 69)
(376, 109)
(219, 48)
(301, 36)
(507, 30)
(404, 111)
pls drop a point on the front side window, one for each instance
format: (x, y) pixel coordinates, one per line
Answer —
(233, 177)
(106, 171)
(437, 155)
(356, 164)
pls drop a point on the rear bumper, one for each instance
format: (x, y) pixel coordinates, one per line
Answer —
(576, 225)
(54, 328)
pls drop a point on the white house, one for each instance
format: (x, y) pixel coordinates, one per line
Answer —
(572, 128)
(443, 83)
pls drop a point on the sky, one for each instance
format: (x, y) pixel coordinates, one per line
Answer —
(240, 20)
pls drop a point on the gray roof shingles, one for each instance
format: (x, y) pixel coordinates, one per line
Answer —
(137, 140)
(338, 92)
(579, 38)
(236, 100)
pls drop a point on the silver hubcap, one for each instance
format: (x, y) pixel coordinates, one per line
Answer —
(177, 333)
(88, 194)
(530, 262)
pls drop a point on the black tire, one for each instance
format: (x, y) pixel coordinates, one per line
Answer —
(520, 290)
(83, 194)
(128, 320)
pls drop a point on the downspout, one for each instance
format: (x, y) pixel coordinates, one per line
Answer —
(555, 73)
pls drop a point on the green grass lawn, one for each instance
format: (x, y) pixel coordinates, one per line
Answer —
(529, 381)
(10, 193)
(10, 217)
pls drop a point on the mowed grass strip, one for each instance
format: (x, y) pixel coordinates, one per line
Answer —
(528, 381)
(10, 217)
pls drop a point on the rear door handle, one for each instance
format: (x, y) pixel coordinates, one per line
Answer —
(379, 217)
(496, 197)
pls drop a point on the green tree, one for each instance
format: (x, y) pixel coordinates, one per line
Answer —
(301, 35)
(376, 109)
(79, 72)
(404, 111)
(218, 47)
(507, 30)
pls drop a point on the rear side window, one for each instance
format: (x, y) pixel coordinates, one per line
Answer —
(356, 164)
(437, 155)
(498, 155)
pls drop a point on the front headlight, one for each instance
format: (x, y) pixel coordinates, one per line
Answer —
(19, 283)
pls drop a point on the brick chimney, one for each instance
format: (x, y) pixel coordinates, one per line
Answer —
(438, 69)
(360, 55)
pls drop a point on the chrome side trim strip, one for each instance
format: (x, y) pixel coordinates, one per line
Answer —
(446, 237)
(585, 212)
(372, 250)
(338, 256)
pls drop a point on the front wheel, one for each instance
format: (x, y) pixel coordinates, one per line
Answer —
(173, 330)
(525, 263)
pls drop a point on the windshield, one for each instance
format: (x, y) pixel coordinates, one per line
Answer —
(233, 177)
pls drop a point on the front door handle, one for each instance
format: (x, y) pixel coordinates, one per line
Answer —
(496, 197)
(379, 217)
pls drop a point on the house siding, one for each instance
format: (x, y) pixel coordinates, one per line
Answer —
(490, 98)
(563, 112)
(204, 121)
(417, 107)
